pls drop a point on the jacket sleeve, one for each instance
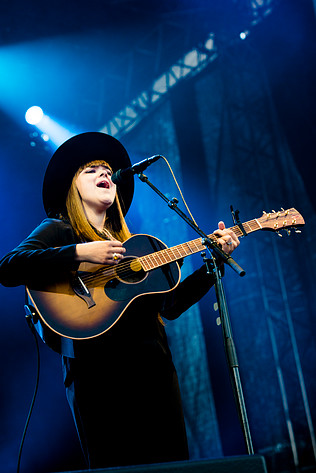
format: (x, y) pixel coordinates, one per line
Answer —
(186, 294)
(49, 249)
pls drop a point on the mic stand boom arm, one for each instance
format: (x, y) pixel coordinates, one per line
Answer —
(212, 268)
(206, 241)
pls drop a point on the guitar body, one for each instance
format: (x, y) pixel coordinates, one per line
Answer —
(89, 302)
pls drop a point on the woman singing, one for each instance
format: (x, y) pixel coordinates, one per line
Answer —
(121, 386)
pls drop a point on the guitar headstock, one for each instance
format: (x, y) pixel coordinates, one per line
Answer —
(281, 220)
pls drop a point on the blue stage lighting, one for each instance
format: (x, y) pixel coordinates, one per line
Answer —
(53, 131)
(34, 115)
(45, 137)
(244, 34)
(49, 130)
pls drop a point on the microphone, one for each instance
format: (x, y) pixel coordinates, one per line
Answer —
(119, 176)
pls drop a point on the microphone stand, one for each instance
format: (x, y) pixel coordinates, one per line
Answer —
(217, 255)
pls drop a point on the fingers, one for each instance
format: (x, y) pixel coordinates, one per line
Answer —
(221, 225)
(101, 252)
(115, 252)
(226, 238)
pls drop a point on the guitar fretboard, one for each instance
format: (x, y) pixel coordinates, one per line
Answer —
(274, 221)
(159, 258)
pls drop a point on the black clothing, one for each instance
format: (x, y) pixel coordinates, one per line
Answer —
(122, 386)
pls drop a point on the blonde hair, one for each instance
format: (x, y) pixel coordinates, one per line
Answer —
(114, 223)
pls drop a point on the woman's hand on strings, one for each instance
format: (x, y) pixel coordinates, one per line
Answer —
(100, 252)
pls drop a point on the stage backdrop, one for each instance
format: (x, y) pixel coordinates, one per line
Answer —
(222, 136)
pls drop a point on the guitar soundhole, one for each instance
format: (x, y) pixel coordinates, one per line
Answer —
(129, 270)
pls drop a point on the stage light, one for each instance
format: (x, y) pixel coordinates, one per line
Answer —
(53, 132)
(209, 43)
(243, 35)
(48, 129)
(45, 137)
(34, 115)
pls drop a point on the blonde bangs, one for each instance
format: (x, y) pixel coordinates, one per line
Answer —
(92, 164)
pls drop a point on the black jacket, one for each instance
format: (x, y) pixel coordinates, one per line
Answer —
(121, 386)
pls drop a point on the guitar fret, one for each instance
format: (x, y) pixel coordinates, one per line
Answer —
(181, 251)
(155, 257)
(237, 231)
(146, 263)
(253, 225)
(247, 227)
(176, 253)
(186, 249)
(169, 255)
(161, 258)
(189, 247)
(195, 243)
(257, 225)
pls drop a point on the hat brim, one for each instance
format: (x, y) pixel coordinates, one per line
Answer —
(73, 154)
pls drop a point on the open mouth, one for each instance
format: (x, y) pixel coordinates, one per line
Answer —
(104, 184)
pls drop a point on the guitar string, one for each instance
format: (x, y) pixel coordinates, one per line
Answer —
(158, 255)
(161, 257)
(252, 225)
(124, 269)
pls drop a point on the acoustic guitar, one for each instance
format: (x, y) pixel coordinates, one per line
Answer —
(88, 302)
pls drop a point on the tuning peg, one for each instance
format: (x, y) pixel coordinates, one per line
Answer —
(282, 209)
(288, 232)
(279, 234)
(297, 231)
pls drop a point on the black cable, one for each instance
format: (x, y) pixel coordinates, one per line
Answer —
(29, 319)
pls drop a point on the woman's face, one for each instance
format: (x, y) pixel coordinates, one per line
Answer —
(95, 187)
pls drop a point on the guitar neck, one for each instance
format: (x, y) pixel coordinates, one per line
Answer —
(169, 255)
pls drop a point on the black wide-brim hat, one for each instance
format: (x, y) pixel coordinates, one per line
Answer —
(73, 154)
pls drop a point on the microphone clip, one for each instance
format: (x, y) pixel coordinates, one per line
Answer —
(119, 176)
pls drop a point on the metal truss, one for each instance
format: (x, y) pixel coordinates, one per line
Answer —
(147, 58)
(257, 9)
(189, 65)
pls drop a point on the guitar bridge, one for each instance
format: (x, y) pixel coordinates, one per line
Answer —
(82, 291)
